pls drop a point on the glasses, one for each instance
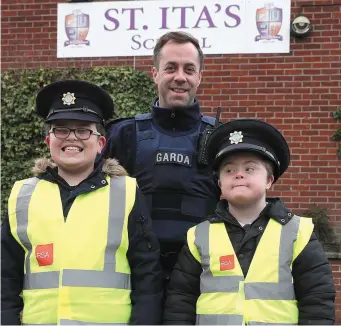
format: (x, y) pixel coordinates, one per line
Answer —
(80, 133)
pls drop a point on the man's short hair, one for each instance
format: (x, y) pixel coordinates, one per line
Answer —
(177, 37)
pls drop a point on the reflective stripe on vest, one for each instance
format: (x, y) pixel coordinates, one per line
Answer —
(226, 297)
(73, 322)
(115, 275)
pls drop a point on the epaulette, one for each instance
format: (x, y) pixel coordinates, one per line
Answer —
(117, 121)
(215, 219)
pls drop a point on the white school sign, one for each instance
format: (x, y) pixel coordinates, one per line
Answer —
(131, 28)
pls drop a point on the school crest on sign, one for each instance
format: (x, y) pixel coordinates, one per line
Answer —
(269, 22)
(77, 28)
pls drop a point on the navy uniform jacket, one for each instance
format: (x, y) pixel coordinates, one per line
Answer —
(160, 151)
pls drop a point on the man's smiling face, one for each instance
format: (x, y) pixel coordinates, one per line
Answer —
(178, 74)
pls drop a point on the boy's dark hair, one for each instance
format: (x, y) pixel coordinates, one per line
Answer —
(270, 169)
(177, 37)
(100, 128)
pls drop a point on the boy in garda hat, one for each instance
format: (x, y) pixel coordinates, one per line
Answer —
(254, 262)
(77, 246)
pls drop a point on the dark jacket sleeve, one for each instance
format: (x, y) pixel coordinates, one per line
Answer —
(314, 286)
(183, 291)
(146, 273)
(12, 276)
(121, 143)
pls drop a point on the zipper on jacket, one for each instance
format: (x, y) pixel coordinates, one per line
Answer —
(145, 232)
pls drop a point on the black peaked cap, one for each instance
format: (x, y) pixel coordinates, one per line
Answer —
(249, 135)
(74, 100)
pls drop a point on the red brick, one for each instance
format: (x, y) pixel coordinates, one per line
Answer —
(9, 13)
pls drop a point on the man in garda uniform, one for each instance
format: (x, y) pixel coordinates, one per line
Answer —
(254, 262)
(77, 246)
(160, 148)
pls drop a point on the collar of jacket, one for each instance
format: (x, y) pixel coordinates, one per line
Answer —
(46, 169)
(177, 119)
(275, 209)
(95, 180)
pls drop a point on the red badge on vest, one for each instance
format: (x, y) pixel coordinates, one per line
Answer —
(226, 262)
(44, 254)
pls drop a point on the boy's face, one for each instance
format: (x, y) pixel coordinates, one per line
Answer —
(243, 179)
(73, 155)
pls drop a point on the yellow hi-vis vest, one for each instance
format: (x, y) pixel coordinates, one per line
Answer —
(266, 296)
(76, 272)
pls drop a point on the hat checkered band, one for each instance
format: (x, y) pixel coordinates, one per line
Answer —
(69, 98)
(236, 137)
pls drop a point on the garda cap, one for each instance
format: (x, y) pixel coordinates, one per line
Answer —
(74, 100)
(249, 135)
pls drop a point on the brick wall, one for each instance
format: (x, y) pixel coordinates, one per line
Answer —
(297, 92)
(336, 267)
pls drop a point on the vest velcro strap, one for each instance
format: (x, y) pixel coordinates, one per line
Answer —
(219, 284)
(269, 291)
(76, 322)
(187, 205)
(102, 279)
(219, 320)
(45, 280)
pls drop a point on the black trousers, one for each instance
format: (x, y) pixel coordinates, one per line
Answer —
(168, 261)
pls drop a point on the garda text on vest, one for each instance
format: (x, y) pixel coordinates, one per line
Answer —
(168, 157)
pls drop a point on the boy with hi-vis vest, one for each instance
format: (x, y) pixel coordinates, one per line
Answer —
(77, 246)
(254, 262)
